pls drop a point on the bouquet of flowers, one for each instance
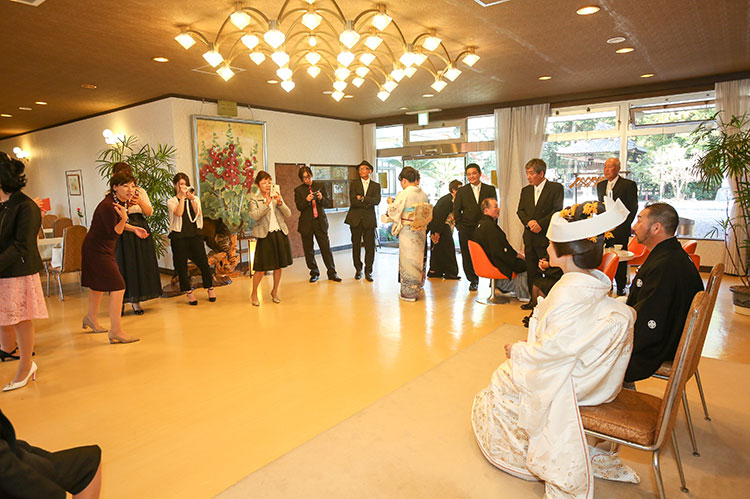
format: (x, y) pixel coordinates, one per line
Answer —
(226, 181)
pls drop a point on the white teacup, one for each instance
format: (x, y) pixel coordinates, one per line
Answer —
(617, 247)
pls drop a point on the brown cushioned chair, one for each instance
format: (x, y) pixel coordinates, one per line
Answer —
(665, 370)
(60, 225)
(484, 268)
(71, 254)
(48, 221)
(646, 422)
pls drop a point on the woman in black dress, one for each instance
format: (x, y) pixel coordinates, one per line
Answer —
(185, 222)
(99, 270)
(272, 249)
(136, 257)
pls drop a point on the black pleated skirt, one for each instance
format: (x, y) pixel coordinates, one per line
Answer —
(272, 252)
(136, 259)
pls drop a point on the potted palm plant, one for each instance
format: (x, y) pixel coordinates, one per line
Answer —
(726, 154)
(153, 169)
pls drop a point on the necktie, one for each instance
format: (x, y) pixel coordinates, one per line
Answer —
(315, 208)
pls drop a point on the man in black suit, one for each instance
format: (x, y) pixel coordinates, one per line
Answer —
(539, 201)
(627, 190)
(443, 252)
(311, 200)
(364, 196)
(500, 253)
(466, 213)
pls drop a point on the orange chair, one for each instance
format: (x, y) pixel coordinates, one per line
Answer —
(696, 260)
(484, 268)
(690, 246)
(610, 260)
(640, 253)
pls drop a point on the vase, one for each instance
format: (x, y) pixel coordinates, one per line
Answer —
(741, 299)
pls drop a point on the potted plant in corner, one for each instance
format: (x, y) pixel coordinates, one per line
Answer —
(726, 154)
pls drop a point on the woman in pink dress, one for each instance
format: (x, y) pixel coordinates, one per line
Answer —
(21, 297)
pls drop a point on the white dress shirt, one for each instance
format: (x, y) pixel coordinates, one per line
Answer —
(475, 189)
(538, 191)
(611, 185)
(365, 185)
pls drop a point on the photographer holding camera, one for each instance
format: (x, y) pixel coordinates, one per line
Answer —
(185, 222)
(311, 200)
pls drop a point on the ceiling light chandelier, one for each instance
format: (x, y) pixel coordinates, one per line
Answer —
(315, 37)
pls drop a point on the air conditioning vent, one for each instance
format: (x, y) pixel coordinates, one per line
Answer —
(490, 3)
(32, 3)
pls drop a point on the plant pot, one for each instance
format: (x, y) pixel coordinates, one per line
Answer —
(741, 299)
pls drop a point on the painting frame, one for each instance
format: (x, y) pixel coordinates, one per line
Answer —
(76, 196)
(73, 181)
(227, 153)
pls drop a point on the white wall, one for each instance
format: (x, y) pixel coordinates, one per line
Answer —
(291, 138)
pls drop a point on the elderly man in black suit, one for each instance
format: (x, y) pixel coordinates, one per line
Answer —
(619, 188)
(364, 196)
(311, 199)
(466, 213)
(539, 201)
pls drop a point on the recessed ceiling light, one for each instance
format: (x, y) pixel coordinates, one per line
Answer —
(23, 108)
(160, 59)
(403, 108)
(348, 97)
(588, 10)
(88, 86)
(546, 77)
(327, 92)
(41, 103)
(624, 50)
(6, 115)
(428, 95)
(272, 81)
(647, 75)
(616, 39)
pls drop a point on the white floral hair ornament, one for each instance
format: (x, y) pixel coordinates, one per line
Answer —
(562, 231)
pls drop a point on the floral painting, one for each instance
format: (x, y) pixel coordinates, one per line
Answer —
(228, 153)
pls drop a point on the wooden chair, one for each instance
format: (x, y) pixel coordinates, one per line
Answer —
(484, 268)
(48, 221)
(610, 260)
(690, 246)
(71, 254)
(646, 422)
(665, 370)
(60, 225)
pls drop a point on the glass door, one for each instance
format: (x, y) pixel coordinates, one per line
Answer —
(436, 172)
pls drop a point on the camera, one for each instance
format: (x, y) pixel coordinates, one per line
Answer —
(191, 190)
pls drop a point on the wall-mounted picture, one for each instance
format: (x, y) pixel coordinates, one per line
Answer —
(228, 152)
(74, 182)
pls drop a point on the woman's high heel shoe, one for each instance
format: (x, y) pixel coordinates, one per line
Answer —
(211, 298)
(113, 338)
(86, 323)
(193, 301)
(9, 355)
(20, 384)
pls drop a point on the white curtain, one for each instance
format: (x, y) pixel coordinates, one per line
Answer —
(733, 99)
(519, 135)
(369, 153)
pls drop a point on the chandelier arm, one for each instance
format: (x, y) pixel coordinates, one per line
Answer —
(446, 54)
(414, 42)
(285, 16)
(341, 13)
(199, 35)
(434, 71)
(252, 10)
(338, 15)
(281, 11)
(218, 33)
(363, 13)
(395, 24)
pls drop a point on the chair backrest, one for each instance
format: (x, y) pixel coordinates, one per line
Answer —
(690, 246)
(71, 248)
(48, 221)
(696, 260)
(61, 224)
(683, 360)
(482, 265)
(712, 288)
(640, 251)
(610, 260)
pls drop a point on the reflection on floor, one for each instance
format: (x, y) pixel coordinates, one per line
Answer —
(213, 392)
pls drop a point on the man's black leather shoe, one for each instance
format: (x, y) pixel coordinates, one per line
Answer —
(334, 277)
(527, 306)
(473, 286)
(368, 277)
(358, 274)
(314, 278)
(621, 292)
(451, 277)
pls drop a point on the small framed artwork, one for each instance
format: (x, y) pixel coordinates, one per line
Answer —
(74, 183)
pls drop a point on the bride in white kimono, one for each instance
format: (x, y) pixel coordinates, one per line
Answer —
(526, 421)
(410, 213)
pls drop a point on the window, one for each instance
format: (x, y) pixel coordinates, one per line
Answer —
(481, 128)
(388, 137)
(446, 133)
(656, 150)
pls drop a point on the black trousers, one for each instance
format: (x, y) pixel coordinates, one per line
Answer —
(463, 242)
(192, 248)
(359, 234)
(325, 249)
(533, 255)
(443, 256)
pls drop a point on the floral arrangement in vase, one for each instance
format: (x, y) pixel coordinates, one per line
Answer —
(226, 181)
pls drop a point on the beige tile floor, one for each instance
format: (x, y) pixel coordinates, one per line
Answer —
(214, 392)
